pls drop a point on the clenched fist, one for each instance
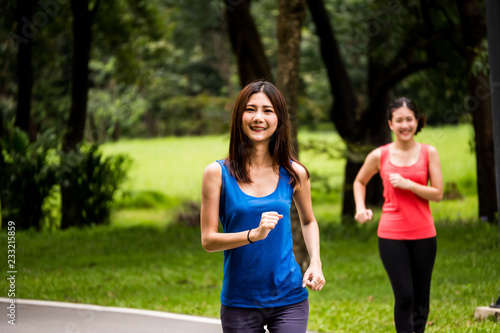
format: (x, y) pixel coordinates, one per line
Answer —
(363, 215)
(399, 182)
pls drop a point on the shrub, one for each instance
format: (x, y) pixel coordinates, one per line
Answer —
(27, 177)
(90, 181)
(195, 115)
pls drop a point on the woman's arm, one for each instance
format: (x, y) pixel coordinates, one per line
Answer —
(313, 277)
(367, 171)
(211, 239)
(434, 191)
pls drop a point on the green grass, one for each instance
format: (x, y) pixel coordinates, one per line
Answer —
(165, 268)
(174, 168)
(146, 260)
(141, 266)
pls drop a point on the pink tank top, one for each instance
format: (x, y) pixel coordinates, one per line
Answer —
(405, 215)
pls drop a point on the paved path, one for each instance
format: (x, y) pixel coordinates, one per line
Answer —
(56, 317)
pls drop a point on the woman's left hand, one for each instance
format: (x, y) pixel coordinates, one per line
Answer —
(313, 277)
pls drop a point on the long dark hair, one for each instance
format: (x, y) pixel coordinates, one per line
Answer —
(280, 148)
(403, 101)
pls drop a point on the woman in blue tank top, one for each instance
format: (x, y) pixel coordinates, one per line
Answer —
(250, 193)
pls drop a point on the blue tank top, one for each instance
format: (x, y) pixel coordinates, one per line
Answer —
(263, 274)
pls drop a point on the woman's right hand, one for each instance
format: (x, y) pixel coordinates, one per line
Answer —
(363, 215)
(268, 222)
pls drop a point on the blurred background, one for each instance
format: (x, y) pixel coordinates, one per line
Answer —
(77, 75)
(110, 111)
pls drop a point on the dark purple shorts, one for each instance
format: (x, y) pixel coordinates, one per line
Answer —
(283, 319)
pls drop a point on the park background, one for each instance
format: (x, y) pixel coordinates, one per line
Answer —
(112, 109)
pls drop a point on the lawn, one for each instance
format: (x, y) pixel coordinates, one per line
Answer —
(174, 168)
(164, 268)
(145, 259)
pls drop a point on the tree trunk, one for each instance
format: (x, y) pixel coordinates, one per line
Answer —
(364, 130)
(246, 43)
(27, 31)
(375, 129)
(151, 127)
(93, 129)
(473, 26)
(342, 113)
(79, 91)
(290, 21)
(361, 136)
(1, 124)
(116, 131)
(291, 18)
(356, 154)
(82, 36)
(482, 121)
(222, 50)
(492, 16)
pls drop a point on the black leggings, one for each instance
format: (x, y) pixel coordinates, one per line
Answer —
(409, 265)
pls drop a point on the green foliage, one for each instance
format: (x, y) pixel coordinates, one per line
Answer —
(196, 115)
(159, 67)
(27, 177)
(30, 174)
(94, 179)
(114, 108)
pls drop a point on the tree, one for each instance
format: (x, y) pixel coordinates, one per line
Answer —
(492, 15)
(246, 43)
(393, 55)
(113, 19)
(82, 38)
(290, 21)
(473, 26)
(25, 33)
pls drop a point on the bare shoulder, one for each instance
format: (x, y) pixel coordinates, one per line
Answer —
(300, 170)
(431, 149)
(432, 152)
(213, 167)
(374, 156)
(213, 171)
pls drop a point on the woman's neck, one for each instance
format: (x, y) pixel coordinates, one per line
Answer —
(405, 145)
(260, 156)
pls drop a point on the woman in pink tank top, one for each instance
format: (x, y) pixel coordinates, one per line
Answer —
(411, 174)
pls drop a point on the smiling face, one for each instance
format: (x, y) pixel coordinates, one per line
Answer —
(259, 120)
(403, 123)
